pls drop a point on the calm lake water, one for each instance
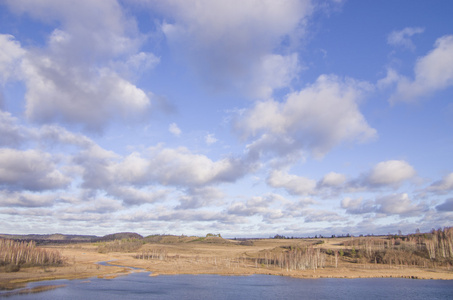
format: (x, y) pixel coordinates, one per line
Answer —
(142, 286)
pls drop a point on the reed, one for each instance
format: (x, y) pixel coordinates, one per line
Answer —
(27, 254)
(159, 254)
(419, 249)
(124, 245)
(295, 259)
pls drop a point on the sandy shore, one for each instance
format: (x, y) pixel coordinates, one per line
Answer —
(198, 258)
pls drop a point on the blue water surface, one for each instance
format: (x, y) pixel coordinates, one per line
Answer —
(180, 287)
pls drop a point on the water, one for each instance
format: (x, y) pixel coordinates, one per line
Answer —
(180, 287)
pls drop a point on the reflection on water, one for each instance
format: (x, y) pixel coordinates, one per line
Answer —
(142, 286)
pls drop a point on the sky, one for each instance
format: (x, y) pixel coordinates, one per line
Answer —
(243, 117)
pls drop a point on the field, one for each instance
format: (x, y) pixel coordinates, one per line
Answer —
(344, 257)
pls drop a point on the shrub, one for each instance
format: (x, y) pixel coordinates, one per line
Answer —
(12, 268)
(246, 243)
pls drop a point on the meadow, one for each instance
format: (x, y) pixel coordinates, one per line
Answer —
(418, 255)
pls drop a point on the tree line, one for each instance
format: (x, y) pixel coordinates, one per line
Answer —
(14, 254)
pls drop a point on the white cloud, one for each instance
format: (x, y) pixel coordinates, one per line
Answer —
(174, 129)
(391, 172)
(321, 216)
(191, 216)
(175, 167)
(96, 166)
(273, 72)
(200, 197)
(11, 55)
(86, 34)
(180, 167)
(433, 72)
(230, 43)
(11, 133)
(70, 80)
(397, 204)
(258, 206)
(98, 205)
(391, 78)
(306, 119)
(210, 139)
(357, 206)
(133, 196)
(295, 185)
(25, 199)
(402, 37)
(333, 179)
(31, 170)
(56, 134)
(136, 64)
(15, 134)
(71, 95)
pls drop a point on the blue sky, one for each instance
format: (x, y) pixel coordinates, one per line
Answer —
(245, 118)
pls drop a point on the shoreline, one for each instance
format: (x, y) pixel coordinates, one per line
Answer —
(416, 274)
(343, 273)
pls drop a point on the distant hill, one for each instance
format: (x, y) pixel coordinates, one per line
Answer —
(51, 238)
(172, 239)
(121, 236)
(58, 238)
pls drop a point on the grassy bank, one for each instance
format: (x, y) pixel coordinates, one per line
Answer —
(423, 256)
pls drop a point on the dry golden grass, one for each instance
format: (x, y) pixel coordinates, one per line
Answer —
(212, 256)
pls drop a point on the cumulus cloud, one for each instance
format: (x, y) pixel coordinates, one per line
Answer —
(273, 72)
(433, 72)
(312, 216)
(11, 54)
(293, 184)
(174, 129)
(11, 133)
(85, 33)
(391, 172)
(403, 37)
(230, 43)
(65, 94)
(391, 78)
(332, 179)
(25, 199)
(56, 135)
(199, 197)
(98, 205)
(258, 206)
(191, 216)
(442, 186)
(15, 134)
(166, 166)
(31, 170)
(306, 120)
(395, 204)
(133, 196)
(357, 206)
(71, 80)
(181, 167)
